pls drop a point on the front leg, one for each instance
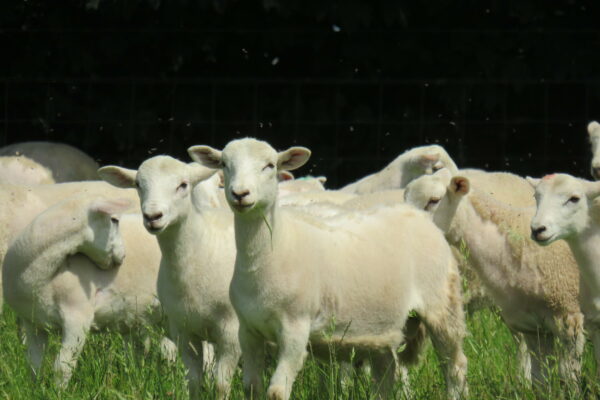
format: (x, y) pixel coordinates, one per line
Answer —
(76, 325)
(36, 340)
(191, 355)
(292, 341)
(253, 356)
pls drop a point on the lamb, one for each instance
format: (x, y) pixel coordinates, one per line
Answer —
(198, 254)
(406, 167)
(67, 271)
(536, 289)
(567, 209)
(298, 278)
(67, 163)
(593, 129)
(20, 170)
(20, 204)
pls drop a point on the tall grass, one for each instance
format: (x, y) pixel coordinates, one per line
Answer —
(111, 368)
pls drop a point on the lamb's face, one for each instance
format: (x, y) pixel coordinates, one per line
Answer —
(438, 194)
(562, 208)
(250, 168)
(427, 191)
(104, 244)
(164, 186)
(250, 171)
(594, 133)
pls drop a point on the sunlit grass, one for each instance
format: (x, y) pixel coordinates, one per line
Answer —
(110, 368)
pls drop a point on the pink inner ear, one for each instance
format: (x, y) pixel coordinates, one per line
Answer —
(285, 176)
(461, 185)
(549, 176)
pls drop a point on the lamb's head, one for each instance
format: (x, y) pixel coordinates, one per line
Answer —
(250, 170)
(438, 194)
(424, 160)
(563, 207)
(103, 243)
(164, 186)
(593, 129)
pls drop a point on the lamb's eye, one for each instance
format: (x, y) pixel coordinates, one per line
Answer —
(432, 202)
(269, 166)
(573, 199)
(182, 186)
(114, 220)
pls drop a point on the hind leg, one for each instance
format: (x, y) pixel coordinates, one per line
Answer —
(385, 370)
(570, 344)
(76, 325)
(36, 340)
(446, 325)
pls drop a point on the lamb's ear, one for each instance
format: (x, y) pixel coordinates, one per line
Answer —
(428, 159)
(322, 180)
(593, 127)
(199, 173)
(118, 176)
(207, 156)
(221, 178)
(592, 189)
(292, 158)
(460, 185)
(534, 182)
(111, 207)
(284, 175)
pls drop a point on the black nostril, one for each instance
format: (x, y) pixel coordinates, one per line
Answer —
(537, 231)
(239, 196)
(153, 217)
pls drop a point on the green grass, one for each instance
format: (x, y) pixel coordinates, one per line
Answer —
(110, 369)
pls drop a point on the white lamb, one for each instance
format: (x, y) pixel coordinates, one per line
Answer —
(406, 167)
(346, 283)
(567, 209)
(67, 271)
(198, 253)
(67, 163)
(593, 129)
(20, 204)
(535, 288)
(20, 170)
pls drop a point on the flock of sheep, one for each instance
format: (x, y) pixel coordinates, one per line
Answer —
(248, 259)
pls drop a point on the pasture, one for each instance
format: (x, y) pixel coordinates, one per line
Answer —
(110, 369)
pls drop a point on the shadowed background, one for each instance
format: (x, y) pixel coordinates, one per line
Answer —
(503, 85)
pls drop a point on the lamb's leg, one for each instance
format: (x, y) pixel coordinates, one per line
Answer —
(168, 350)
(76, 325)
(227, 353)
(36, 340)
(386, 370)
(571, 343)
(208, 357)
(540, 346)
(523, 355)
(446, 325)
(191, 355)
(253, 357)
(292, 341)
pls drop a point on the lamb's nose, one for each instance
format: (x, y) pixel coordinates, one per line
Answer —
(153, 217)
(536, 232)
(241, 195)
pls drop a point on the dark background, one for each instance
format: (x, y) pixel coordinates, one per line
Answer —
(503, 85)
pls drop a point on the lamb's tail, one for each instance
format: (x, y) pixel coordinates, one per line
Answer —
(415, 335)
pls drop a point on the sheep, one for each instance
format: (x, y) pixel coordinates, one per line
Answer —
(345, 283)
(301, 185)
(406, 167)
(567, 209)
(593, 129)
(20, 170)
(67, 271)
(536, 289)
(198, 254)
(67, 163)
(20, 204)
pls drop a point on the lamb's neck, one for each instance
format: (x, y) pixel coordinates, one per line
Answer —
(486, 244)
(255, 237)
(586, 250)
(185, 240)
(39, 260)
